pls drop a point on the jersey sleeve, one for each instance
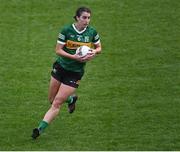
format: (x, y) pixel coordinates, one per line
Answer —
(96, 38)
(62, 37)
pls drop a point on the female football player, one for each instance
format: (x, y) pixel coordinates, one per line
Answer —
(68, 69)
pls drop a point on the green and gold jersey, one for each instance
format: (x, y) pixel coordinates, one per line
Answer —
(71, 38)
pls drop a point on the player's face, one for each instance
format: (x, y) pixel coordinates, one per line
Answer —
(84, 19)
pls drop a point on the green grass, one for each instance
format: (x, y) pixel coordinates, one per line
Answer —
(129, 96)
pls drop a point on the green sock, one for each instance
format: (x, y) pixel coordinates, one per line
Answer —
(69, 99)
(42, 125)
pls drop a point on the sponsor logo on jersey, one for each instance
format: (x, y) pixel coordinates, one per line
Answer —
(74, 45)
(72, 36)
(54, 70)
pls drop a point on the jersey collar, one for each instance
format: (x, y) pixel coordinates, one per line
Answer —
(79, 32)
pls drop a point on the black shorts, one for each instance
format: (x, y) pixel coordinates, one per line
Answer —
(64, 76)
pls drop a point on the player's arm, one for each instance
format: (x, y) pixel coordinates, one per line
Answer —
(61, 42)
(60, 52)
(97, 48)
(91, 55)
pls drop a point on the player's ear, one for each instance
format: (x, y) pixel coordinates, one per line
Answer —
(77, 18)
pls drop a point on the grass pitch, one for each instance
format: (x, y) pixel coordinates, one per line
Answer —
(129, 96)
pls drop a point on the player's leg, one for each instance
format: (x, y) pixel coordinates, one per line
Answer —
(53, 89)
(72, 79)
(57, 75)
(63, 93)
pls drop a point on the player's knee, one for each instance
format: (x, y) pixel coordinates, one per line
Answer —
(58, 101)
(50, 98)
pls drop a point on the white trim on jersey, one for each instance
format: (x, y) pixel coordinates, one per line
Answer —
(77, 30)
(96, 37)
(97, 42)
(61, 36)
(60, 42)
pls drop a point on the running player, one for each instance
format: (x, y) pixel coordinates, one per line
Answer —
(68, 69)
